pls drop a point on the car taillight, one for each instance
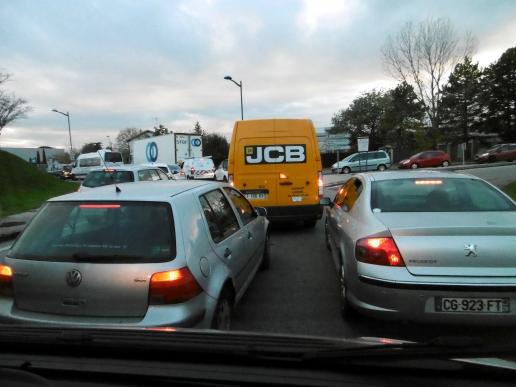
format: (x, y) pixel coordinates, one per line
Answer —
(379, 251)
(230, 180)
(320, 183)
(172, 287)
(6, 279)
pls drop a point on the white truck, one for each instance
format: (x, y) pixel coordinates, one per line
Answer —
(171, 148)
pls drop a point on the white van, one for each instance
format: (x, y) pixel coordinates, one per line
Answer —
(199, 168)
(86, 162)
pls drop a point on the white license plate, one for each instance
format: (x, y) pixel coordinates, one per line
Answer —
(472, 305)
(259, 196)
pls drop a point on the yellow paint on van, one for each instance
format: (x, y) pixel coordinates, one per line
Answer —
(276, 163)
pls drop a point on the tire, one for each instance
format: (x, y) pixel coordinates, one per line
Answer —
(223, 310)
(266, 258)
(414, 166)
(446, 163)
(310, 223)
(381, 167)
(346, 170)
(346, 310)
(327, 236)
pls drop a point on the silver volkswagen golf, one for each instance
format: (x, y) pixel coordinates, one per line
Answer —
(177, 254)
(424, 246)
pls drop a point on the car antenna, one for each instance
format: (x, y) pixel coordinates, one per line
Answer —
(117, 188)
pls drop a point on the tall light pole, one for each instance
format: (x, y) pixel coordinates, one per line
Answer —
(69, 131)
(227, 77)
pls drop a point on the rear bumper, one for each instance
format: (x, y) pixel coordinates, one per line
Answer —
(392, 300)
(290, 213)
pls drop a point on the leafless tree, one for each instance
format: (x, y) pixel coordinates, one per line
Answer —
(423, 55)
(122, 140)
(11, 108)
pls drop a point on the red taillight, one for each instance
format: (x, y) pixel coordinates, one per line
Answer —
(99, 206)
(320, 183)
(379, 251)
(172, 287)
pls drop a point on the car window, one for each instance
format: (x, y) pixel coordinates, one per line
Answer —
(154, 175)
(349, 193)
(225, 164)
(91, 162)
(221, 218)
(144, 175)
(100, 178)
(244, 208)
(162, 175)
(437, 195)
(100, 232)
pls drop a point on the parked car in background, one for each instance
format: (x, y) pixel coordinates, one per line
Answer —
(172, 170)
(87, 162)
(502, 152)
(199, 168)
(221, 173)
(126, 174)
(363, 161)
(429, 246)
(176, 254)
(433, 158)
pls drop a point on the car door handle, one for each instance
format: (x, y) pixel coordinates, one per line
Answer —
(227, 253)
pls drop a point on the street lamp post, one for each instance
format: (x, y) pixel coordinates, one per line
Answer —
(69, 131)
(227, 77)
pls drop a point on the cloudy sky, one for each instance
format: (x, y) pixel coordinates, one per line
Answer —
(127, 63)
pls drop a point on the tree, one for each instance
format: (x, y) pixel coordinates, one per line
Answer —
(63, 158)
(197, 129)
(160, 130)
(44, 157)
(461, 106)
(38, 158)
(91, 147)
(215, 145)
(500, 96)
(122, 141)
(422, 56)
(362, 118)
(11, 108)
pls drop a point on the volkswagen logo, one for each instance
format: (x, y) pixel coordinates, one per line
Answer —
(73, 278)
(151, 151)
(470, 250)
(196, 142)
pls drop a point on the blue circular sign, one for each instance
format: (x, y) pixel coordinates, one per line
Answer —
(151, 152)
(196, 142)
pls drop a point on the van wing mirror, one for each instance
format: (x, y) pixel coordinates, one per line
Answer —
(260, 211)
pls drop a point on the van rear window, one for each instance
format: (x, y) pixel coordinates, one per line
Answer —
(99, 232)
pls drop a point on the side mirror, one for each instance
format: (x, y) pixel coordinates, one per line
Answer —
(260, 211)
(175, 172)
(325, 201)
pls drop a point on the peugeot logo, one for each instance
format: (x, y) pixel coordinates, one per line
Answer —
(73, 278)
(470, 250)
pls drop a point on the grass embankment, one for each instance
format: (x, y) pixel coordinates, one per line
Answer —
(23, 187)
(511, 190)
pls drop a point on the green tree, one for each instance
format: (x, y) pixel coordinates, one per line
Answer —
(215, 145)
(122, 141)
(160, 130)
(44, 157)
(198, 129)
(362, 118)
(91, 147)
(38, 158)
(500, 96)
(461, 106)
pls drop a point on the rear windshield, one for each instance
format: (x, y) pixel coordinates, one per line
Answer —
(437, 195)
(113, 157)
(100, 178)
(106, 232)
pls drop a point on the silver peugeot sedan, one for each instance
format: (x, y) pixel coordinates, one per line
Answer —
(173, 254)
(424, 246)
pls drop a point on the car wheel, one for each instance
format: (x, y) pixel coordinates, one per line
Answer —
(266, 257)
(446, 163)
(346, 170)
(327, 236)
(222, 316)
(310, 223)
(382, 167)
(414, 166)
(346, 310)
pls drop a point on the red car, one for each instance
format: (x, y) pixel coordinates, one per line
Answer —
(426, 159)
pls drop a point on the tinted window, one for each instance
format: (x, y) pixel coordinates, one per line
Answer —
(354, 158)
(174, 168)
(243, 207)
(162, 175)
(100, 178)
(164, 169)
(221, 218)
(154, 174)
(99, 232)
(113, 157)
(437, 195)
(349, 193)
(144, 175)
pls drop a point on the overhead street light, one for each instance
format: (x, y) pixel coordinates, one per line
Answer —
(69, 131)
(227, 77)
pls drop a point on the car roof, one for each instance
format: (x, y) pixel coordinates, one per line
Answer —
(138, 191)
(417, 174)
(129, 167)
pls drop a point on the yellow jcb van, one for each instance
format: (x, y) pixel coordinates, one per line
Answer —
(277, 165)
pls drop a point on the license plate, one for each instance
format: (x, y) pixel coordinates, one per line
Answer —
(472, 305)
(258, 195)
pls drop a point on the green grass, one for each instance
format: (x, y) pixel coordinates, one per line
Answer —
(23, 187)
(511, 190)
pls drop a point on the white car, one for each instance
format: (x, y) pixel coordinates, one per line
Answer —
(221, 173)
(172, 170)
(126, 174)
(199, 168)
